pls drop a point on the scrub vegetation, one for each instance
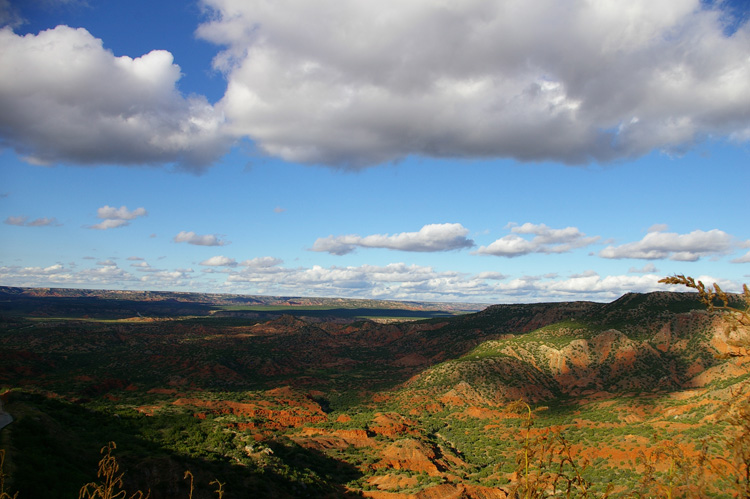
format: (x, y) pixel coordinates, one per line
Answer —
(643, 397)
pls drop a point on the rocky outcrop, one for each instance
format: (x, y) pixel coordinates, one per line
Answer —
(263, 413)
(409, 454)
(444, 491)
(392, 425)
(320, 437)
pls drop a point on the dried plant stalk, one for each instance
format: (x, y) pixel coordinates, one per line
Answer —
(111, 486)
(3, 493)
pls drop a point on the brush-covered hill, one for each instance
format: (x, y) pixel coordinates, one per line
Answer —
(641, 342)
(300, 406)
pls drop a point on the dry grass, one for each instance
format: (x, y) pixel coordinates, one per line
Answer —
(3, 493)
(547, 466)
(736, 411)
(110, 486)
(710, 295)
(110, 481)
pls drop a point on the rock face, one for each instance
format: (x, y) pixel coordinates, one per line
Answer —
(392, 425)
(592, 364)
(264, 413)
(444, 491)
(409, 454)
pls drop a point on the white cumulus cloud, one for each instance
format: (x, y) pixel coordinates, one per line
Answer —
(263, 262)
(430, 238)
(544, 240)
(191, 237)
(67, 99)
(219, 261)
(357, 83)
(121, 213)
(24, 221)
(109, 224)
(659, 245)
(113, 218)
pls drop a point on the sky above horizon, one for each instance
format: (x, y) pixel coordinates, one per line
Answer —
(477, 151)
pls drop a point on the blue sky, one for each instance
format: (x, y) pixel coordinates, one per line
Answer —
(487, 152)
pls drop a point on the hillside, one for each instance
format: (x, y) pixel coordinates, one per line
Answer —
(303, 406)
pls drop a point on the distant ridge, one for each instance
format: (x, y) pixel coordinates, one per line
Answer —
(221, 298)
(125, 303)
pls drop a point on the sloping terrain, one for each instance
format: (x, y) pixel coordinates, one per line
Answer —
(302, 407)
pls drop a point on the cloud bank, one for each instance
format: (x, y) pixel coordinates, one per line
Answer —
(398, 281)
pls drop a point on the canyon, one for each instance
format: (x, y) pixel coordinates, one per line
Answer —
(305, 401)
